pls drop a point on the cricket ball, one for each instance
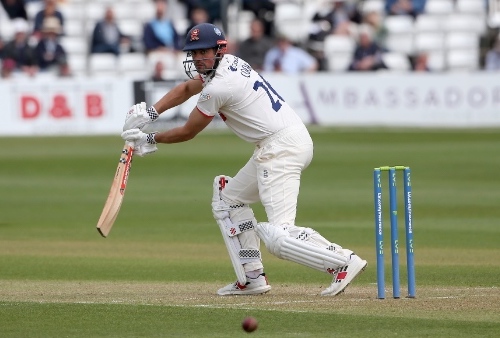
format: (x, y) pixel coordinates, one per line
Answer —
(250, 324)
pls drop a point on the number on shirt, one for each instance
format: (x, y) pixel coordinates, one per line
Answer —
(275, 103)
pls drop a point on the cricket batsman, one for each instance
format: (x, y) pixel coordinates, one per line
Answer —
(256, 113)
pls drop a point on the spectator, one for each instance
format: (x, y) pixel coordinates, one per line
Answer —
(367, 55)
(197, 15)
(160, 33)
(15, 9)
(107, 37)
(254, 49)
(376, 22)
(334, 17)
(50, 54)
(212, 7)
(64, 70)
(263, 10)
(158, 69)
(289, 59)
(405, 7)
(492, 61)
(49, 10)
(421, 63)
(19, 51)
(8, 67)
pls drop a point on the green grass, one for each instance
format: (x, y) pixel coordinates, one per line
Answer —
(166, 243)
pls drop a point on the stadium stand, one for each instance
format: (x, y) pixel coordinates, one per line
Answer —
(449, 32)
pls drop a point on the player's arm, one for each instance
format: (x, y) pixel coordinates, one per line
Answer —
(196, 122)
(138, 115)
(178, 95)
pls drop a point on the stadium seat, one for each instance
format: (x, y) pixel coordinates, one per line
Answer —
(103, 65)
(494, 13)
(339, 62)
(32, 8)
(72, 11)
(436, 61)
(462, 60)
(239, 23)
(130, 27)
(74, 28)
(428, 23)
(465, 22)
(335, 44)
(439, 7)
(396, 61)
(93, 11)
(6, 29)
(179, 66)
(124, 11)
(133, 65)
(78, 64)
(290, 21)
(470, 6)
(74, 44)
(401, 43)
(425, 42)
(145, 11)
(172, 63)
(368, 6)
(399, 24)
(462, 40)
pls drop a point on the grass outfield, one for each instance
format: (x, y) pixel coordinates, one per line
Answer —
(157, 273)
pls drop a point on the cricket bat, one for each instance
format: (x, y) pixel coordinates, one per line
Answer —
(117, 192)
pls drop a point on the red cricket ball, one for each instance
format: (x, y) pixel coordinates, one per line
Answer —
(250, 324)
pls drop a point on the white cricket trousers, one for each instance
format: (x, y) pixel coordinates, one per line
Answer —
(272, 175)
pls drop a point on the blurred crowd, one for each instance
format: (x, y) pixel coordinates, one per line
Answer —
(35, 46)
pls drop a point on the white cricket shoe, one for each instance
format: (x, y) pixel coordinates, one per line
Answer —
(253, 286)
(345, 275)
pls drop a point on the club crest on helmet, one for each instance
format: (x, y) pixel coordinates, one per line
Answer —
(195, 35)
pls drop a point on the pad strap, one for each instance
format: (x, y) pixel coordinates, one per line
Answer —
(222, 206)
(238, 228)
(249, 255)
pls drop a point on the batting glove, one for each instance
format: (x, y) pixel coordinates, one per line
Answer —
(138, 116)
(144, 143)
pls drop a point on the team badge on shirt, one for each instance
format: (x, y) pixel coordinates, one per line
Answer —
(204, 97)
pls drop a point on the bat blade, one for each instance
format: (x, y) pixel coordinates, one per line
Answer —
(117, 191)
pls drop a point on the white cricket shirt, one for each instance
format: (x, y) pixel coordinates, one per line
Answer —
(246, 102)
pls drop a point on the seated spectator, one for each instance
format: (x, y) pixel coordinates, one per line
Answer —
(376, 22)
(158, 69)
(64, 70)
(405, 7)
(50, 54)
(15, 9)
(8, 67)
(197, 15)
(19, 51)
(263, 10)
(421, 63)
(107, 37)
(253, 50)
(492, 60)
(287, 58)
(367, 55)
(212, 7)
(335, 17)
(159, 33)
(49, 10)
